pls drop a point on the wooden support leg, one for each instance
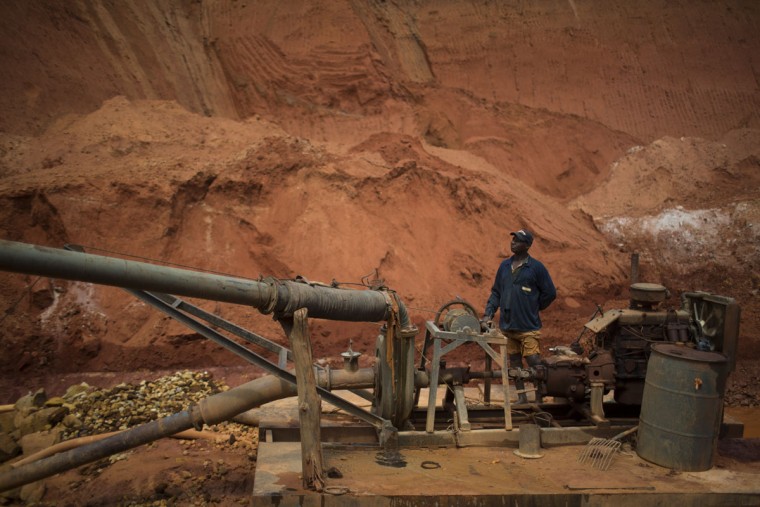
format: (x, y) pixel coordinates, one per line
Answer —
(309, 403)
(464, 419)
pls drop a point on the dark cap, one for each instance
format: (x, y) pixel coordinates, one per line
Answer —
(524, 236)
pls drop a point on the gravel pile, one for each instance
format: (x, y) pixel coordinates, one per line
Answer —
(93, 411)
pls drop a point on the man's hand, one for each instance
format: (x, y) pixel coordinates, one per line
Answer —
(486, 323)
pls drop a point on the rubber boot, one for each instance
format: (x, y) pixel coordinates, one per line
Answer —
(534, 360)
(515, 361)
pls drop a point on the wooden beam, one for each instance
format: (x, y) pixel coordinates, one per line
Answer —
(309, 403)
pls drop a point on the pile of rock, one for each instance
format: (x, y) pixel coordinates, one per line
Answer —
(37, 421)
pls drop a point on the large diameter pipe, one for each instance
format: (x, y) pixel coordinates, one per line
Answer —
(281, 297)
(224, 406)
(79, 456)
(211, 410)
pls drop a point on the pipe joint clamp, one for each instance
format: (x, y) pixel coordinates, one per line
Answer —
(273, 283)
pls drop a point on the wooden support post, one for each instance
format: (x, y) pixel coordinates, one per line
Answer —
(461, 404)
(309, 403)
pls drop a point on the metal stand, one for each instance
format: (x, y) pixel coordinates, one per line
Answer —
(456, 339)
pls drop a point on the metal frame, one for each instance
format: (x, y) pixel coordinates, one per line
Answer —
(455, 340)
(158, 302)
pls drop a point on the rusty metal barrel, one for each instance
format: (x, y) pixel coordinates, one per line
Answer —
(682, 407)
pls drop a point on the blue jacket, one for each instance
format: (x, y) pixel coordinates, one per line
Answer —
(519, 299)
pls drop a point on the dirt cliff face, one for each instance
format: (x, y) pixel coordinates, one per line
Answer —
(345, 140)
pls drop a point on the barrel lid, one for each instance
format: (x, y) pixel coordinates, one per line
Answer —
(689, 353)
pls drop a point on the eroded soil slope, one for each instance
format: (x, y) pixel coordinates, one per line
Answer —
(359, 140)
(245, 198)
(350, 140)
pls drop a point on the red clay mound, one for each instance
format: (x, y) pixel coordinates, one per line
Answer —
(360, 140)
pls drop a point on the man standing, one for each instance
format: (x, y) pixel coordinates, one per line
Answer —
(521, 290)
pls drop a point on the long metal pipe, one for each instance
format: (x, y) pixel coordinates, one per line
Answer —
(211, 410)
(224, 406)
(280, 297)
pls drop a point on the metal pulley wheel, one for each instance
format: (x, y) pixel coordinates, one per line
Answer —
(453, 316)
(460, 319)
